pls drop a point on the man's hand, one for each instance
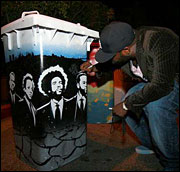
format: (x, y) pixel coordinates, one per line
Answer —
(88, 67)
(118, 110)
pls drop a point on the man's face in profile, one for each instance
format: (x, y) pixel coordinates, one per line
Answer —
(83, 84)
(12, 82)
(120, 59)
(29, 88)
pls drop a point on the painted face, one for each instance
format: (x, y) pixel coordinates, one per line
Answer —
(57, 85)
(83, 83)
(29, 88)
(12, 82)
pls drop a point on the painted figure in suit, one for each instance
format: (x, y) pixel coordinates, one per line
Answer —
(54, 114)
(80, 98)
(13, 95)
(27, 109)
(14, 98)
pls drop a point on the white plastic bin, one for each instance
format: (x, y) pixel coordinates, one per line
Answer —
(47, 90)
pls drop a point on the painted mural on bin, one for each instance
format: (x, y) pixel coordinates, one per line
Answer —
(48, 93)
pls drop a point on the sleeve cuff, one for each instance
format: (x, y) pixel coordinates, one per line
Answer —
(93, 61)
(124, 106)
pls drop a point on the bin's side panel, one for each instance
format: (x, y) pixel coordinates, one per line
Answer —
(43, 66)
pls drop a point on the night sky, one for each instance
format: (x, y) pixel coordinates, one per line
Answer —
(147, 13)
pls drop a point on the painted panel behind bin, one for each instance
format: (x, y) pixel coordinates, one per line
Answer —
(100, 94)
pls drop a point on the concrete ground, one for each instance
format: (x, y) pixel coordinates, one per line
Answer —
(105, 151)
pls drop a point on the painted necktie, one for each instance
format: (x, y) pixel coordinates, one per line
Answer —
(57, 113)
(81, 104)
(32, 112)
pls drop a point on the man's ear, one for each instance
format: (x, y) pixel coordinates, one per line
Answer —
(77, 85)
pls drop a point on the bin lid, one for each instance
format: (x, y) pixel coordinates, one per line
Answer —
(33, 18)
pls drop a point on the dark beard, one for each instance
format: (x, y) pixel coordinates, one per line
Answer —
(13, 91)
(55, 96)
(122, 61)
(28, 98)
(83, 92)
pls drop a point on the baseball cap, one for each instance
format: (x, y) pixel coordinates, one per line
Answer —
(114, 38)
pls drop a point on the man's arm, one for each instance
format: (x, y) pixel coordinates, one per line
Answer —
(164, 54)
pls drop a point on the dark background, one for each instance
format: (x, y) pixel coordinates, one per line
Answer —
(149, 13)
(97, 14)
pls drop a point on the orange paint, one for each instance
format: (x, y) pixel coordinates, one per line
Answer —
(96, 100)
(107, 95)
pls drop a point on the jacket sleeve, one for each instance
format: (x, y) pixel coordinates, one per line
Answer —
(163, 50)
